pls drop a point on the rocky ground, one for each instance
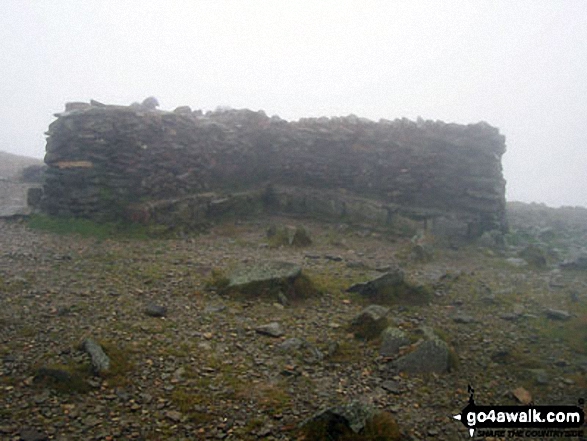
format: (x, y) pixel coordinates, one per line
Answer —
(202, 371)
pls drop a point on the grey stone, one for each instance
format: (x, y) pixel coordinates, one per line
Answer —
(557, 314)
(391, 386)
(154, 310)
(263, 273)
(577, 263)
(431, 355)
(491, 239)
(379, 283)
(100, 361)
(290, 345)
(534, 255)
(370, 322)
(516, 261)
(422, 253)
(392, 339)
(463, 318)
(32, 435)
(150, 103)
(272, 329)
(339, 419)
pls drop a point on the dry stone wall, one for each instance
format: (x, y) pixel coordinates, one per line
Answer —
(183, 167)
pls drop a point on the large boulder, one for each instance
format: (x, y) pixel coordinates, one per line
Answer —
(431, 354)
(392, 339)
(392, 288)
(370, 322)
(275, 280)
(356, 420)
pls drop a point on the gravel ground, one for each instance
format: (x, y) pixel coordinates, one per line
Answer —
(203, 372)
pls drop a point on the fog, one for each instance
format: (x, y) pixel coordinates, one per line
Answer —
(521, 66)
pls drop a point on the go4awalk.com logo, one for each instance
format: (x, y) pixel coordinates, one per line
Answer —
(522, 421)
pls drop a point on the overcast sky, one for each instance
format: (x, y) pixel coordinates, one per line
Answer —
(519, 65)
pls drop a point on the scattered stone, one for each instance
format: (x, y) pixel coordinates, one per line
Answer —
(430, 355)
(290, 345)
(510, 316)
(491, 239)
(463, 318)
(391, 288)
(577, 263)
(174, 415)
(391, 386)
(154, 310)
(516, 261)
(32, 435)
(557, 314)
(272, 329)
(95, 103)
(210, 309)
(333, 258)
(534, 255)
(268, 279)
(422, 253)
(375, 286)
(370, 322)
(340, 422)
(183, 110)
(540, 376)
(150, 103)
(288, 236)
(282, 299)
(100, 361)
(392, 339)
(522, 395)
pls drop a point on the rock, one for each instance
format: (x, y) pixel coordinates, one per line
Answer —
(183, 110)
(522, 395)
(557, 314)
(353, 416)
(392, 339)
(422, 253)
(302, 348)
(391, 288)
(378, 284)
(100, 361)
(516, 261)
(174, 415)
(463, 318)
(290, 345)
(32, 435)
(370, 322)
(76, 106)
(288, 236)
(342, 422)
(268, 273)
(534, 255)
(491, 239)
(154, 310)
(577, 263)
(391, 386)
(282, 299)
(272, 329)
(431, 355)
(510, 316)
(60, 379)
(540, 376)
(150, 103)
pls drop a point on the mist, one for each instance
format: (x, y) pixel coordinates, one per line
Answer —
(520, 66)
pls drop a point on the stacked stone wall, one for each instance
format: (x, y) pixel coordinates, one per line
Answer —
(108, 162)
